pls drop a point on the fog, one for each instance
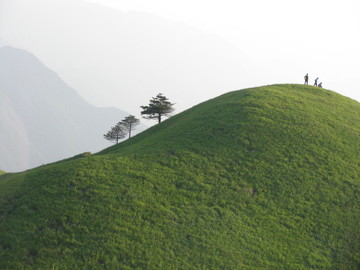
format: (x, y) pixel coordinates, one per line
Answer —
(42, 119)
(121, 53)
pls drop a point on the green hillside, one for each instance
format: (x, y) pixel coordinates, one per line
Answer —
(262, 178)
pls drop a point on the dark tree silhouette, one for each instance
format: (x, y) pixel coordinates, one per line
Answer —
(158, 107)
(116, 133)
(129, 122)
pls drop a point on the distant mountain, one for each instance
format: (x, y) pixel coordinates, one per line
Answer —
(3, 43)
(42, 119)
(102, 49)
(263, 178)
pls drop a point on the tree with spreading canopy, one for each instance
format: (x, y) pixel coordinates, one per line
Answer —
(129, 122)
(158, 107)
(116, 133)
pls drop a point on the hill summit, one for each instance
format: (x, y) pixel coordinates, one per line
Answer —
(262, 178)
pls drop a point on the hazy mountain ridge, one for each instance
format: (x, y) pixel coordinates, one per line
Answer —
(43, 119)
(2, 43)
(130, 52)
(263, 178)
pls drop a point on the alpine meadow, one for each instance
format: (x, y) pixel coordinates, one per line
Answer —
(260, 178)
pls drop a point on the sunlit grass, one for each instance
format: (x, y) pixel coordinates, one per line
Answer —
(264, 178)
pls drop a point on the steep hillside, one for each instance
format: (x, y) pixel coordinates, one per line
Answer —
(42, 119)
(263, 178)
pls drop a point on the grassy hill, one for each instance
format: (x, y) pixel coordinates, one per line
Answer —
(262, 178)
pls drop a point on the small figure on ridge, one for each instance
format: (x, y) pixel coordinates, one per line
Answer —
(320, 85)
(316, 80)
(306, 79)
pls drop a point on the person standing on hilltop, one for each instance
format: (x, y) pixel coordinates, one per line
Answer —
(316, 80)
(306, 79)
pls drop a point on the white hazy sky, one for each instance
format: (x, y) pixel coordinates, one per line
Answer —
(103, 56)
(322, 36)
(310, 23)
(322, 26)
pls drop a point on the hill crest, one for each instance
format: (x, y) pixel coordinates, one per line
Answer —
(262, 178)
(221, 117)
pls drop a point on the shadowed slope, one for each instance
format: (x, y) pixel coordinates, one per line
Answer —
(264, 178)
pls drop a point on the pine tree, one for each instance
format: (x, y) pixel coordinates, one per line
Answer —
(158, 107)
(129, 122)
(116, 133)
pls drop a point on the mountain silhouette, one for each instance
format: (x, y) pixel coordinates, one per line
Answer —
(43, 119)
(97, 47)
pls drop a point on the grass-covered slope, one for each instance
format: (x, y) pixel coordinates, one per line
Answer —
(264, 178)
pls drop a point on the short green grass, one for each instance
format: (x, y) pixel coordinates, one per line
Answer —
(262, 178)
